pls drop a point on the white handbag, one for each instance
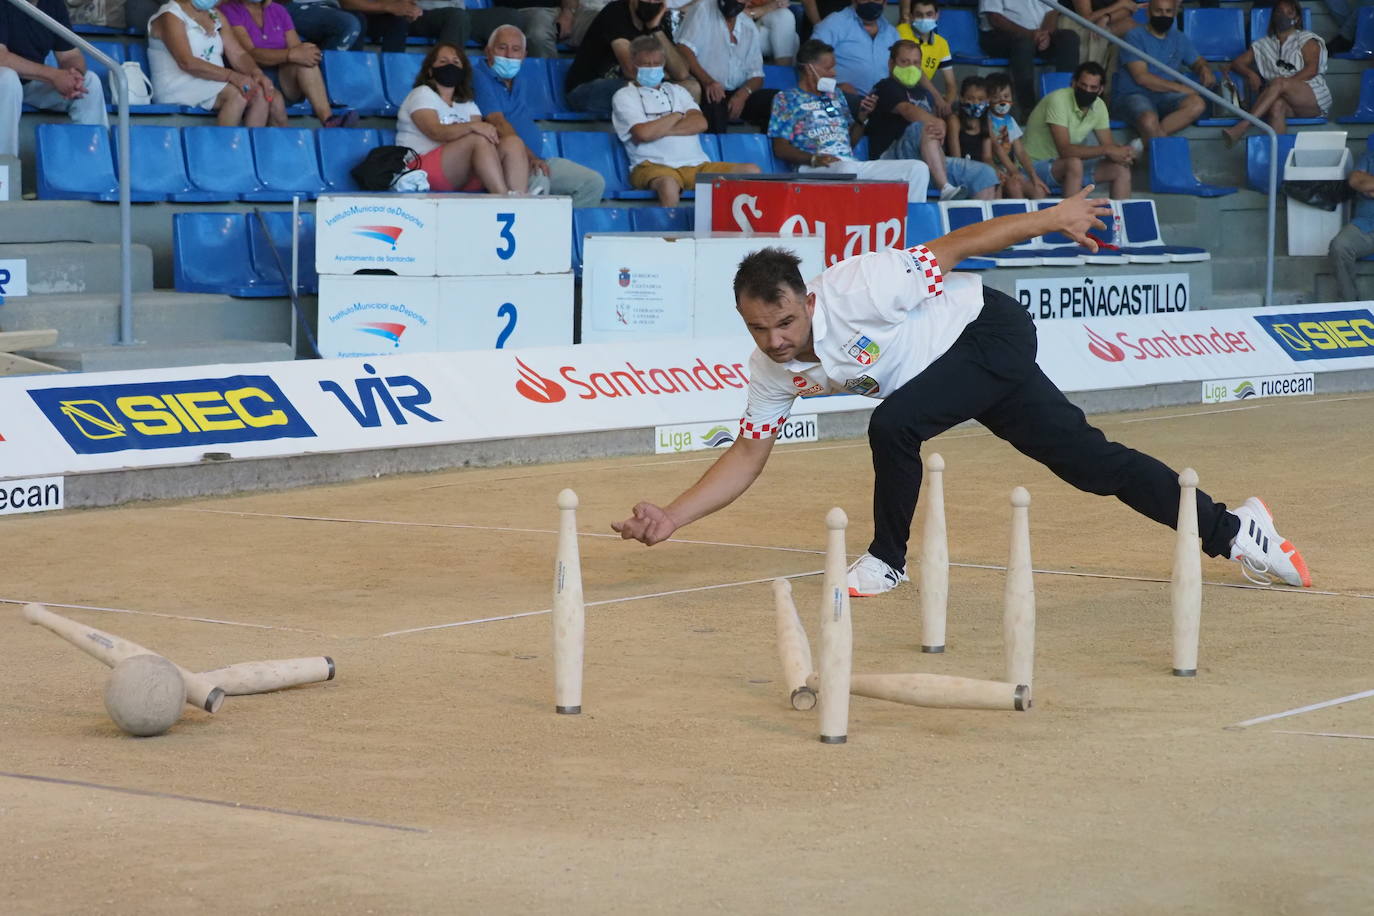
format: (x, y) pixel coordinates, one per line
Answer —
(140, 87)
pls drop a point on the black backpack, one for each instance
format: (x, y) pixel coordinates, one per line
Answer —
(382, 166)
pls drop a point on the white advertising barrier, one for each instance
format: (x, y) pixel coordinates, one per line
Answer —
(395, 232)
(485, 235)
(696, 437)
(1104, 296)
(376, 316)
(1259, 386)
(481, 313)
(718, 256)
(14, 276)
(108, 420)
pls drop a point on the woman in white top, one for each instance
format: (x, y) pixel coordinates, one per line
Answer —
(458, 150)
(1290, 63)
(187, 51)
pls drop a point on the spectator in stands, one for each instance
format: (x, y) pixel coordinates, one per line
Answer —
(458, 150)
(861, 38)
(1056, 132)
(1019, 30)
(935, 56)
(723, 53)
(603, 62)
(323, 24)
(391, 22)
(25, 78)
(812, 127)
(544, 23)
(187, 51)
(1015, 170)
(1149, 99)
(503, 92)
(968, 140)
(777, 29)
(658, 122)
(1116, 16)
(1356, 239)
(1290, 63)
(266, 32)
(902, 126)
(1346, 13)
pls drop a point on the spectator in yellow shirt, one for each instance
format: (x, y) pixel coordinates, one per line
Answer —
(919, 22)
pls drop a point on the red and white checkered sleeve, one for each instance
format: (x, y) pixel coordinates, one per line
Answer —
(769, 404)
(930, 277)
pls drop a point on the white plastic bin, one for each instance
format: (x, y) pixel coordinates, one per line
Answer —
(1316, 156)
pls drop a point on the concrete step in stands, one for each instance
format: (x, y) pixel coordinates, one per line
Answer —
(77, 267)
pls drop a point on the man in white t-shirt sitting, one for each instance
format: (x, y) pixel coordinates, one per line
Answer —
(658, 122)
(938, 349)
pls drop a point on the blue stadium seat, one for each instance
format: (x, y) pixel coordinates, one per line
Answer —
(1141, 241)
(340, 150)
(1259, 22)
(137, 51)
(220, 159)
(1024, 254)
(86, 28)
(1058, 250)
(1257, 160)
(960, 29)
(549, 147)
(74, 162)
(157, 166)
(557, 68)
(1364, 109)
(710, 144)
(861, 149)
(596, 150)
(279, 229)
(1226, 120)
(922, 223)
(115, 50)
(1051, 80)
(1171, 167)
(398, 75)
(211, 254)
(755, 148)
(779, 76)
(1218, 34)
(956, 215)
(286, 161)
(595, 219)
(386, 136)
(1364, 36)
(534, 76)
(662, 219)
(354, 78)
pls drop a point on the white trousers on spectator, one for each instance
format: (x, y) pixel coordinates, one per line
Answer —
(912, 171)
(89, 109)
(778, 33)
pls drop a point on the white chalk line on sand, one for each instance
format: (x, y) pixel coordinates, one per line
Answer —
(1302, 709)
(1279, 731)
(676, 591)
(121, 610)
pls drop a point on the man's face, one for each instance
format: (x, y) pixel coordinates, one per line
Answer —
(507, 43)
(1089, 82)
(906, 57)
(924, 11)
(1163, 8)
(823, 65)
(781, 329)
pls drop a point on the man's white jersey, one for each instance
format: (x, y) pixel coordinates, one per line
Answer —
(881, 318)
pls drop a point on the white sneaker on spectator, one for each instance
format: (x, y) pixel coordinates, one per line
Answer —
(1138, 146)
(953, 192)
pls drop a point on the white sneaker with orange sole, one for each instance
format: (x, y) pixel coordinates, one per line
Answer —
(1262, 551)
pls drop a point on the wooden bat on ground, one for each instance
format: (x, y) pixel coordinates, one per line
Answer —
(938, 691)
(277, 674)
(110, 649)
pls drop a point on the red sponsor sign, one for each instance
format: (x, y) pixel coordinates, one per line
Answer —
(853, 216)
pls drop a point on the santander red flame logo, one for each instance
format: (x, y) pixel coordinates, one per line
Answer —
(537, 388)
(1103, 348)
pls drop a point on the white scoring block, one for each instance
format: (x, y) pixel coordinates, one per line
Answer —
(395, 232)
(717, 258)
(488, 235)
(378, 316)
(482, 313)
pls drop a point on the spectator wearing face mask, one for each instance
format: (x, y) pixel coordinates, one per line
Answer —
(1116, 16)
(812, 127)
(903, 127)
(920, 28)
(658, 122)
(1148, 99)
(266, 32)
(603, 62)
(1019, 30)
(187, 52)
(861, 38)
(1069, 138)
(722, 50)
(504, 94)
(1015, 170)
(25, 77)
(1289, 63)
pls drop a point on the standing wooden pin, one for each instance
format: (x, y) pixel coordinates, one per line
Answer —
(569, 614)
(1186, 587)
(934, 560)
(837, 634)
(1018, 600)
(793, 648)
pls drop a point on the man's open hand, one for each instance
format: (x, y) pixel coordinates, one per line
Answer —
(649, 525)
(1075, 215)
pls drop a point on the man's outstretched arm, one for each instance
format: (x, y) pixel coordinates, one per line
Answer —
(1073, 216)
(722, 484)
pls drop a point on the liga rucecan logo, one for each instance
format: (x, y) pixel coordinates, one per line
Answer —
(537, 388)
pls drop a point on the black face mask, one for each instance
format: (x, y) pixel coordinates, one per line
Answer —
(869, 12)
(647, 11)
(1283, 23)
(730, 8)
(1083, 98)
(1161, 23)
(447, 75)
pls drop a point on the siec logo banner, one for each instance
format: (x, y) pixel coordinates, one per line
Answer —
(1322, 335)
(154, 415)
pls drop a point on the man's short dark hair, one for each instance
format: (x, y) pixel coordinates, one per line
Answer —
(764, 273)
(1091, 68)
(812, 51)
(902, 44)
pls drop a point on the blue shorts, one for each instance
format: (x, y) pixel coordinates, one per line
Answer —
(1131, 106)
(976, 176)
(1045, 169)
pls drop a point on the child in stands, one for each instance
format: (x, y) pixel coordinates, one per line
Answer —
(1014, 167)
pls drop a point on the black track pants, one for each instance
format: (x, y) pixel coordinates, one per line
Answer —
(990, 375)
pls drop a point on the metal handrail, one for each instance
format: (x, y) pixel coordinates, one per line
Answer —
(126, 282)
(1209, 94)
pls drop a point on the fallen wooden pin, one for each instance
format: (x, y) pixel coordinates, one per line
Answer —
(937, 691)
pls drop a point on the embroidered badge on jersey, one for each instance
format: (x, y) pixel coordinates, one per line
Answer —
(864, 351)
(805, 388)
(863, 385)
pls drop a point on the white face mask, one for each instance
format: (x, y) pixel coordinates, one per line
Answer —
(825, 84)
